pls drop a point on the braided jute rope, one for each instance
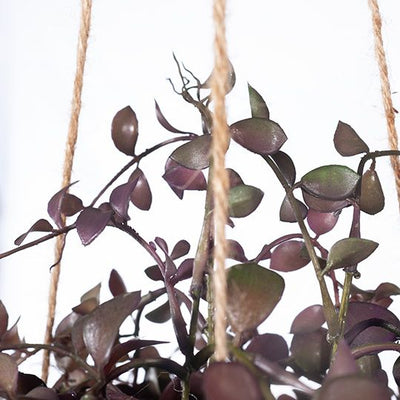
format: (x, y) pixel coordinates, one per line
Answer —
(220, 180)
(86, 8)
(385, 89)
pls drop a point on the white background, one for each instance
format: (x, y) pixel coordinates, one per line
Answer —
(313, 61)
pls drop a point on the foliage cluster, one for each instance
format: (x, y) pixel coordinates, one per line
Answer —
(335, 344)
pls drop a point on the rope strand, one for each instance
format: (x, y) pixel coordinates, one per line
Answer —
(220, 180)
(86, 7)
(385, 89)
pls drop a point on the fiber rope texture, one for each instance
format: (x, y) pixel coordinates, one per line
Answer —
(385, 89)
(220, 180)
(84, 29)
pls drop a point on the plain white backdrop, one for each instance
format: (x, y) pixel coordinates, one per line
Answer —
(313, 61)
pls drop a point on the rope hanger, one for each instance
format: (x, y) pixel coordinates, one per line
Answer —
(220, 179)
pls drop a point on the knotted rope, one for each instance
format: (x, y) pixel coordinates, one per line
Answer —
(220, 180)
(86, 8)
(385, 89)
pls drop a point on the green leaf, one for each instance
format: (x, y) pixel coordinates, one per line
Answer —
(253, 292)
(372, 199)
(350, 251)
(257, 104)
(259, 135)
(194, 154)
(243, 200)
(347, 142)
(331, 182)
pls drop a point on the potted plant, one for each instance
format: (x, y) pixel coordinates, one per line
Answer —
(334, 349)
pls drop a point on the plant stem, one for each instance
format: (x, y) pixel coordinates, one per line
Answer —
(56, 349)
(137, 158)
(38, 241)
(329, 308)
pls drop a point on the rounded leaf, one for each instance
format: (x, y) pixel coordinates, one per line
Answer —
(372, 199)
(269, 345)
(396, 371)
(124, 130)
(286, 212)
(361, 311)
(8, 374)
(347, 142)
(352, 387)
(286, 165)
(101, 326)
(141, 195)
(230, 381)
(311, 353)
(259, 135)
(42, 225)
(90, 223)
(331, 182)
(321, 222)
(243, 200)
(323, 205)
(234, 178)
(120, 196)
(116, 283)
(257, 104)
(289, 256)
(309, 320)
(348, 252)
(194, 154)
(253, 293)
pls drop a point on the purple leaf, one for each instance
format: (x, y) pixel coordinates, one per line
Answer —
(331, 182)
(42, 225)
(42, 393)
(259, 135)
(194, 154)
(343, 363)
(163, 121)
(162, 244)
(353, 387)
(90, 223)
(286, 212)
(309, 320)
(253, 293)
(235, 251)
(230, 381)
(3, 320)
(8, 375)
(311, 353)
(154, 273)
(120, 196)
(180, 178)
(323, 205)
(124, 131)
(184, 271)
(347, 142)
(116, 284)
(271, 346)
(286, 166)
(234, 178)
(122, 349)
(141, 196)
(360, 311)
(54, 206)
(160, 314)
(71, 204)
(289, 256)
(180, 249)
(113, 393)
(257, 104)
(100, 328)
(243, 200)
(320, 222)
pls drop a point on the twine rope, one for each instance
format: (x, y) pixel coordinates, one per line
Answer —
(385, 89)
(84, 29)
(220, 180)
